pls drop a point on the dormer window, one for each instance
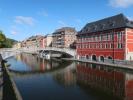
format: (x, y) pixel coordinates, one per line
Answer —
(89, 28)
(131, 22)
(112, 24)
(95, 27)
(127, 20)
(102, 26)
(86, 30)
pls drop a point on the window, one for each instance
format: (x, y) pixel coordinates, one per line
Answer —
(100, 45)
(106, 45)
(111, 45)
(94, 45)
(119, 35)
(97, 45)
(112, 36)
(101, 37)
(88, 46)
(89, 39)
(107, 37)
(91, 45)
(84, 45)
(93, 38)
(119, 45)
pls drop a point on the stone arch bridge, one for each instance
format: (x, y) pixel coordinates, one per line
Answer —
(71, 52)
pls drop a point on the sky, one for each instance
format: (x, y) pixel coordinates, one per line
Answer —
(20, 19)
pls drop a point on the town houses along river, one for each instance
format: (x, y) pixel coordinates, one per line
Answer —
(40, 79)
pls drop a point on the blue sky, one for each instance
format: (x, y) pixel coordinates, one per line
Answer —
(20, 19)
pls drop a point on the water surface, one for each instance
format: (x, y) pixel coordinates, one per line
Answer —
(40, 79)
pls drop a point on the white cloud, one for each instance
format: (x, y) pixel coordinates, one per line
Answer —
(62, 23)
(24, 20)
(43, 13)
(121, 3)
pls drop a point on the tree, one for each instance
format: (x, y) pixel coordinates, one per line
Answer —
(6, 42)
(2, 39)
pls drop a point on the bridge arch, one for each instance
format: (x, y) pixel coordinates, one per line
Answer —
(67, 51)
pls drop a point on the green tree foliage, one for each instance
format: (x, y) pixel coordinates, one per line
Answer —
(2, 37)
(5, 42)
(2, 40)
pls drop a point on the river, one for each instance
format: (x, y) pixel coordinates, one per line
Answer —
(40, 79)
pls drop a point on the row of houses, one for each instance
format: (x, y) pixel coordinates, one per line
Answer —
(64, 37)
(108, 38)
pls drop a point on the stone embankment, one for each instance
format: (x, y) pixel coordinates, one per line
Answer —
(8, 88)
(115, 65)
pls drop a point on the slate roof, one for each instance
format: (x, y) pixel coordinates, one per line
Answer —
(33, 37)
(64, 29)
(117, 21)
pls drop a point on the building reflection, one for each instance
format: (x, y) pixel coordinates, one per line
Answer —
(66, 77)
(116, 83)
(35, 63)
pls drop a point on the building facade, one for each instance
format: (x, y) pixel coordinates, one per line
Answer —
(109, 38)
(32, 42)
(17, 45)
(64, 37)
(49, 40)
(43, 42)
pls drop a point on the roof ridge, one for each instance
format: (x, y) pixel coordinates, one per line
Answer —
(116, 21)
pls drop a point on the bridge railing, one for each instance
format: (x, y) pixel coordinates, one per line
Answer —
(66, 50)
(34, 50)
(7, 52)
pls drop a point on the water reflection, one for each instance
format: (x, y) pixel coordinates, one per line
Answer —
(69, 80)
(110, 81)
(66, 77)
(27, 63)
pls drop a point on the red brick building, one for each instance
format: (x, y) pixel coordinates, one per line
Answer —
(109, 38)
(42, 42)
